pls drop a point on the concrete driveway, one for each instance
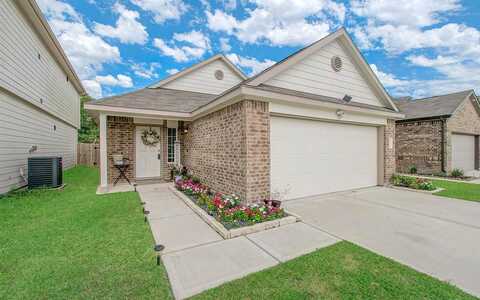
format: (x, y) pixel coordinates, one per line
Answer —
(435, 235)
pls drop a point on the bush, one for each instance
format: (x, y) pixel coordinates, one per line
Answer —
(426, 185)
(401, 180)
(412, 169)
(413, 183)
(457, 173)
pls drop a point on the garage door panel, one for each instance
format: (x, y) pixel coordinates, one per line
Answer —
(312, 157)
(463, 152)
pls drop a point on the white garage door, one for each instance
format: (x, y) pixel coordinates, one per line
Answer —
(313, 157)
(463, 152)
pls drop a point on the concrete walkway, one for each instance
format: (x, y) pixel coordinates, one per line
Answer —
(197, 258)
(435, 235)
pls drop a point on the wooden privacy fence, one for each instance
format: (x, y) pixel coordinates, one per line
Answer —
(88, 154)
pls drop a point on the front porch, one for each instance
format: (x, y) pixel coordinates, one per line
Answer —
(148, 148)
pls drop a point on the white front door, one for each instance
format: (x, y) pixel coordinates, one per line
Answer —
(313, 157)
(147, 158)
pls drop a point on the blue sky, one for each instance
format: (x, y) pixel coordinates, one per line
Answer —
(417, 47)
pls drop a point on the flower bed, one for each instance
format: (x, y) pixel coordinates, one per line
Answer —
(228, 209)
(413, 182)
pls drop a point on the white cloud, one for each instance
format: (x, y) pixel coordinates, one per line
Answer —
(279, 22)
(144, 70)
(421, 60)
(172, 71)
(414, 13)
(450, 50)
(195, 44)
(195, 38)
(94, 89)
(388, 80)
(224, 45)
(452, 38)
(456, 79)
(86, 51)
(58, 10)
(220, 21)
(121, 80)
(255, 66)
(163, 10)
(230, 4)
(175, 52)
(127, 28)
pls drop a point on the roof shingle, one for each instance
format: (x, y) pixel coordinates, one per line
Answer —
(158, 99)
(436, 106)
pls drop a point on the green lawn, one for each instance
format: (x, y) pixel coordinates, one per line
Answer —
(459, 190)
(341, 271)
(72, 244)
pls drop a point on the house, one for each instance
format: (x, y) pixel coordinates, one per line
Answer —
(39, 94)
(318, 121)
(439, 134)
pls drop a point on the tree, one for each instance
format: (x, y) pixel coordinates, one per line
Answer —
(88, 132)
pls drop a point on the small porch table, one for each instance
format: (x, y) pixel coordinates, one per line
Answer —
(122, 168)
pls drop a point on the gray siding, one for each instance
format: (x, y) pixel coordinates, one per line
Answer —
(22, 126)
(23, 73)
(315, 75)
(38, 105)
(203, 79)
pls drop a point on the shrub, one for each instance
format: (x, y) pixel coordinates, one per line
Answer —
(412, 169)
(412, 182)
(426, 185)
(401, 180)
(203, 199)
(457, 173)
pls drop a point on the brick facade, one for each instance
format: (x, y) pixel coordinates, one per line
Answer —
(466, 120)
(229, 149)
(419, 144)
(258, 149)
(120, 140)
(389, 151)
(427, 144)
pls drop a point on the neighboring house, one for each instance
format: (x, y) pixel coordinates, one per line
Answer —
(439, 134)
(318, 121)
(39, 93)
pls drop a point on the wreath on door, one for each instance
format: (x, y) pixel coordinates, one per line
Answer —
(150, 137)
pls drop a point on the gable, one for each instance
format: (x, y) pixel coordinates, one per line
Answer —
(315, 75)
(466, 118)
(202, 79)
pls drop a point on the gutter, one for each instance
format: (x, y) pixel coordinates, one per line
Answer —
(443, 117)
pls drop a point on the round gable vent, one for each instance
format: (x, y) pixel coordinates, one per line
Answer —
(219, 74)
(337, 63)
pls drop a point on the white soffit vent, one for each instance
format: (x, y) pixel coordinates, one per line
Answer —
(337, 63)
(219, 74)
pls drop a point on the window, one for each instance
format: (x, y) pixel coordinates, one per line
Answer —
(171, 139)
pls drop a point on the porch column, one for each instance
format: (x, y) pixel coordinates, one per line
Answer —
(103, 151)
